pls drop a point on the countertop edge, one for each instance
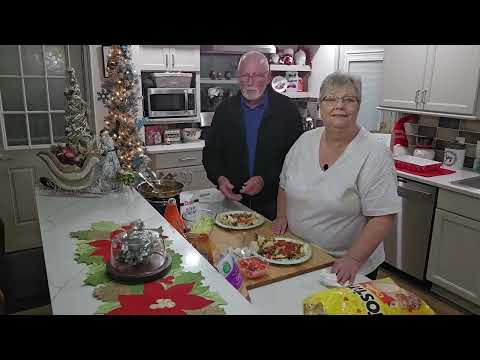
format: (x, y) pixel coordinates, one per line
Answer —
(444, 183)
(162, 149)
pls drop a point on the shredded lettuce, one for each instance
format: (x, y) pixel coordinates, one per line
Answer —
(202, 225)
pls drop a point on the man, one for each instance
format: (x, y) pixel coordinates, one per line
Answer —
(249, 138)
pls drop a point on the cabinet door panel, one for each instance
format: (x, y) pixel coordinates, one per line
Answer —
(404, 70)
(454, 253)
(154, 57)
(452, 82)
(185, 58)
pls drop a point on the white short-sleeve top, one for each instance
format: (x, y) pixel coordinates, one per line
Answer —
(330, 208)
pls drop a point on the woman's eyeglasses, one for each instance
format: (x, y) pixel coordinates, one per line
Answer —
(333, 100)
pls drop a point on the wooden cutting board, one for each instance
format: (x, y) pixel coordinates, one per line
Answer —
(224, 238)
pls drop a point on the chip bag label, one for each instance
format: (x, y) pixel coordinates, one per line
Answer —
(378, 297)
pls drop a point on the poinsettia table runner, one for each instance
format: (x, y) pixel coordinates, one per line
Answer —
(179, 292)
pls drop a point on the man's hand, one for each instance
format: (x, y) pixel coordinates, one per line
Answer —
(280, 225)
(252, 186)
(346, 269)
(226, 187)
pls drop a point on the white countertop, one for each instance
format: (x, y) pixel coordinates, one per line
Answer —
(443, 181)
(58, 216)
(188, 146)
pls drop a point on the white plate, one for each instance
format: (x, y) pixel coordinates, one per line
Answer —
(259, 222)
(279, 84)
(306, 257)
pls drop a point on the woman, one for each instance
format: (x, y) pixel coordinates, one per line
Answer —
(338, 186)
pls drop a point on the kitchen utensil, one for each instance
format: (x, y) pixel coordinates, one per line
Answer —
(154, 190)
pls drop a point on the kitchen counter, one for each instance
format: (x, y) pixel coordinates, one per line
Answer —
(188, 146)
(60, 215)
(443, 181)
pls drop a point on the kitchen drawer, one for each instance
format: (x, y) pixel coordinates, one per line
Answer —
(176, 159)
(459, 204)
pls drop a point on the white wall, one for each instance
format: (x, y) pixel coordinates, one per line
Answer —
(324, 62)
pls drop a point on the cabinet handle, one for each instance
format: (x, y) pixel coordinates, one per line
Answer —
(173, 60)
(187, 159)
(424, 95)
(166, 59)
(417, 93)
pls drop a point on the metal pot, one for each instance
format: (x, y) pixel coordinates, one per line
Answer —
(165, 189)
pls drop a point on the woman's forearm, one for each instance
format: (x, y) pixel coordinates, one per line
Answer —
(281, 203)
(371, 236)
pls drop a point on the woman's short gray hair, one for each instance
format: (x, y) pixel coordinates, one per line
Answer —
(341, 79)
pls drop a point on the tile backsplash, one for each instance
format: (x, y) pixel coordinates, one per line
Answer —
(445, 130)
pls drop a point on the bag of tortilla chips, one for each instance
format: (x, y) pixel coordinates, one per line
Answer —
(378, 297)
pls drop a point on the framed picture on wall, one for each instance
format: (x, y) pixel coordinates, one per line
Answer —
(105, 52)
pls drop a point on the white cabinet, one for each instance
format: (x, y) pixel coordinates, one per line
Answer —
(186, 166)
(454, 255)
(404, 71)
(185, 58)
(167, 58)
(453, 81)
(434, 78)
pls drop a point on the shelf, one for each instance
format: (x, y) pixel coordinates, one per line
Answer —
(429, 113)
(297, 95)
(223, 82)
(278, 67)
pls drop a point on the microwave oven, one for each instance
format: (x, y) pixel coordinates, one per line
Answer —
(171, 102)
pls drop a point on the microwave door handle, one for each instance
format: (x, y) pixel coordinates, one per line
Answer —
(186, 100)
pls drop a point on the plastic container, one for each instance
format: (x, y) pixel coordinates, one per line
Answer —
(252, 267)
(416, 164)
(424, 152)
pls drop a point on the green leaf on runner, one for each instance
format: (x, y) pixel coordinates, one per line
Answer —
(97, 275)
(83, 235)
(176, 262)
(87, 259)
(84, 249)
(136, 289)
(214, 296)
(105, 226)
(107, 307)
(188, 278)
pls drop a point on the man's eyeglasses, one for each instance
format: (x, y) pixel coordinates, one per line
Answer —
(333, 100)
(255, 77)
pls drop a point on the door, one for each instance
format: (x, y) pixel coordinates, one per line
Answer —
(185, 58)
(154, 57)
(453, 79)
(368, 64)
(454, 253)
(404, 70)
(32, 82)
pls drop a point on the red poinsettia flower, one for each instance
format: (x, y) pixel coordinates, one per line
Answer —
(156, 300)
(102, 248)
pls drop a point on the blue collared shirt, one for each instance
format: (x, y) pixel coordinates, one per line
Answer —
(253, 118)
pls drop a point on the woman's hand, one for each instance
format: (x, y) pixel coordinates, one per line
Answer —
(280, 225)
(346, 269)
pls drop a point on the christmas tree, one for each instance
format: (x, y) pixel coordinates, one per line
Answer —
(79, 138)
(119, 95)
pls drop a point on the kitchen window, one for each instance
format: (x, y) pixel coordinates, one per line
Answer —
(32, 84)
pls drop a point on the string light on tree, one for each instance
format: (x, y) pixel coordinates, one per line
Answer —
(119, 95)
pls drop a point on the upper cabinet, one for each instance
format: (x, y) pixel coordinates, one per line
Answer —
(435, 78)
(167, 58)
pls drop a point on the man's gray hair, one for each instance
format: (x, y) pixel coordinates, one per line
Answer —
(262, 59)
(341, 79)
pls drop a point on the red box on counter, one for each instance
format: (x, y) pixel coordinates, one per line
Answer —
(153, 134)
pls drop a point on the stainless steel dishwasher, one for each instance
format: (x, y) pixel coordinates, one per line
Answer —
(407, 246)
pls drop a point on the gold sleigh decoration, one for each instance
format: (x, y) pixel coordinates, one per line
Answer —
(70, 177)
